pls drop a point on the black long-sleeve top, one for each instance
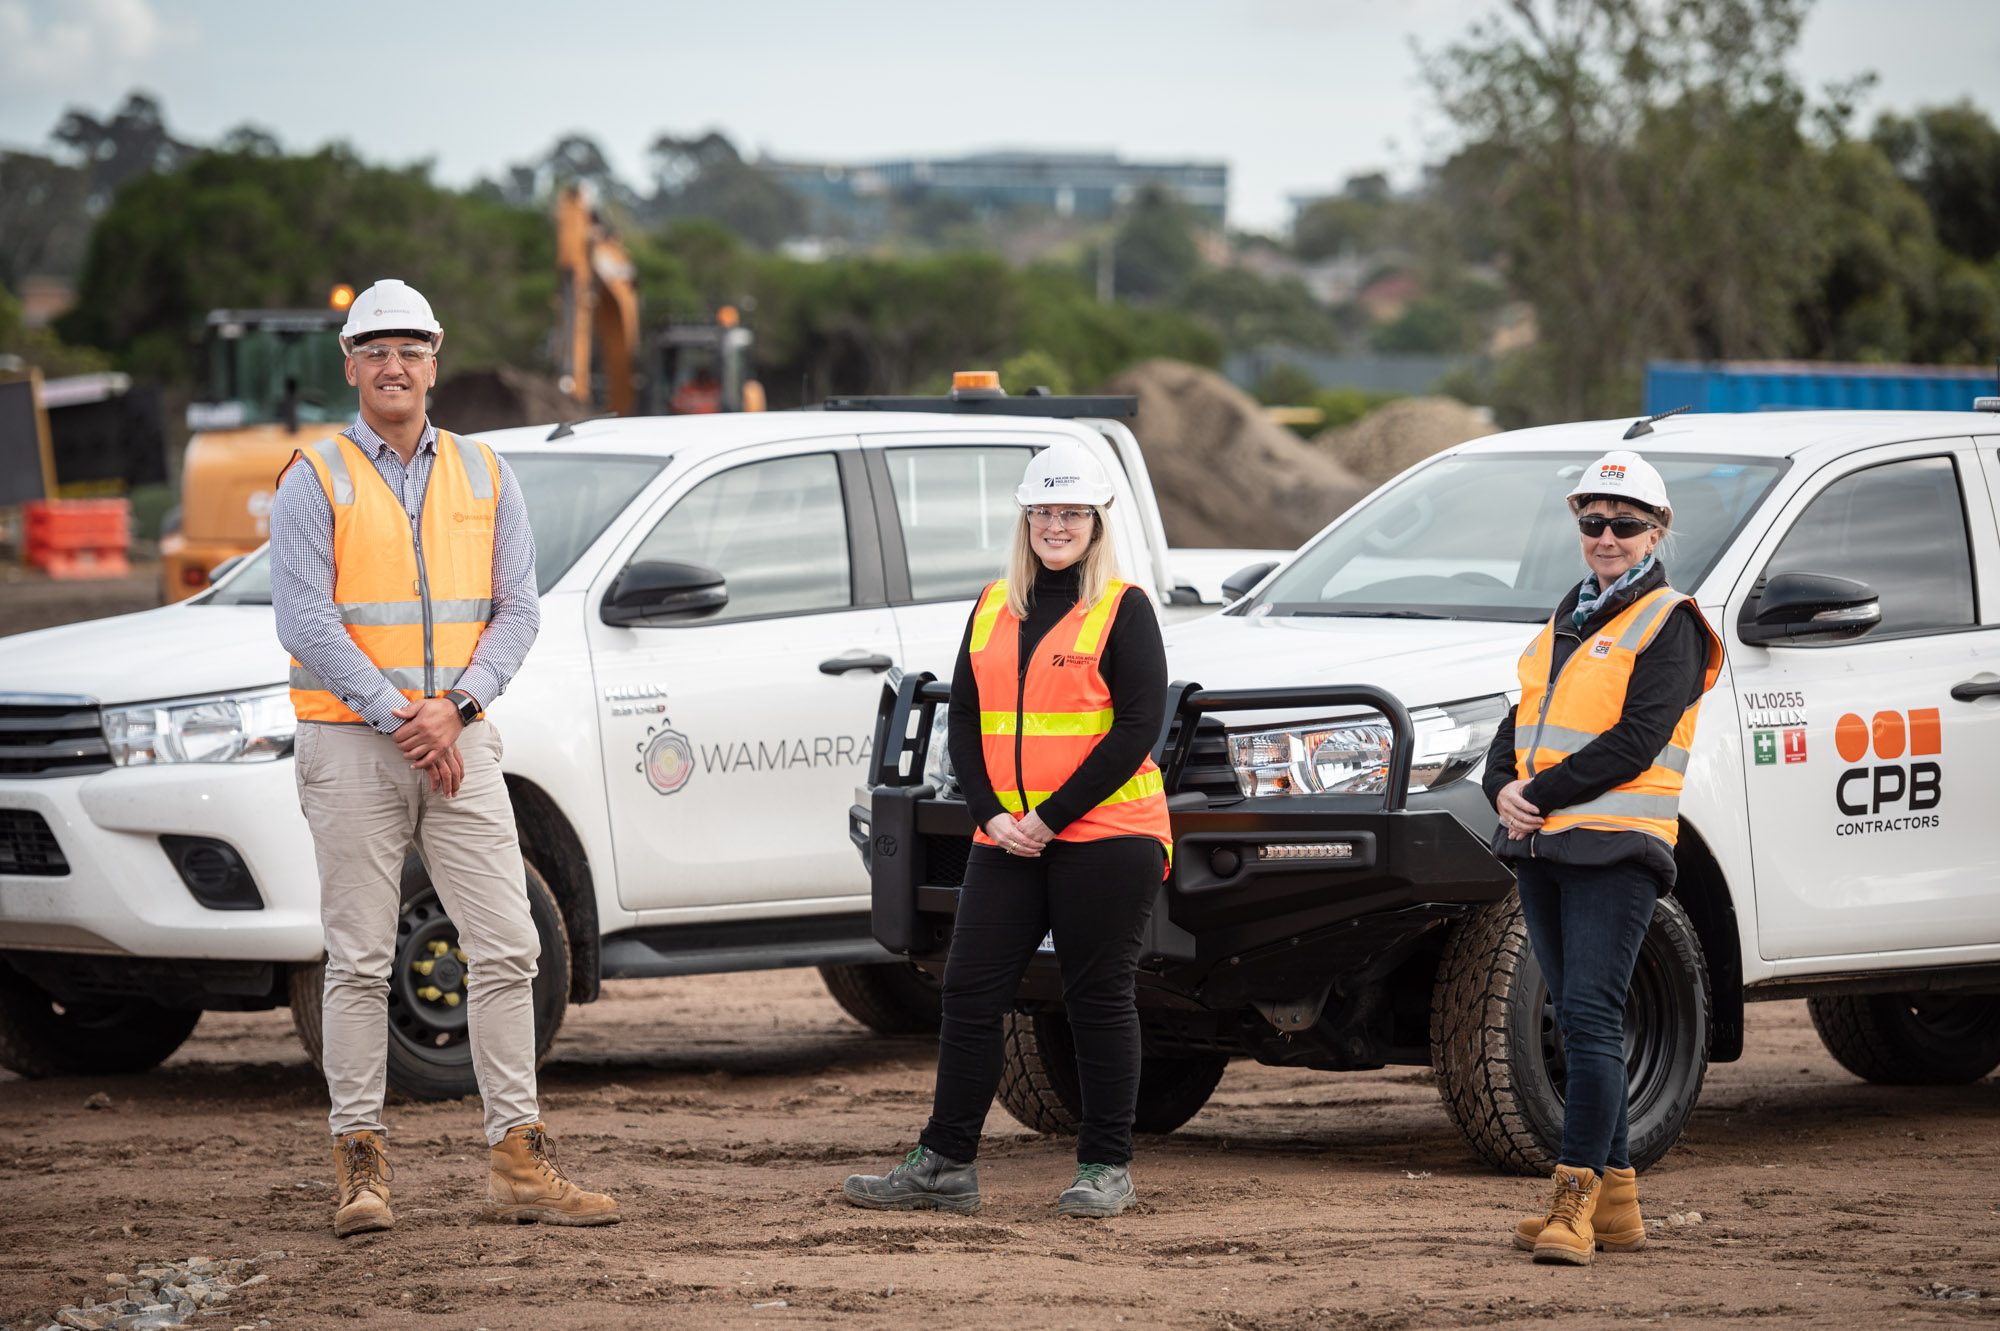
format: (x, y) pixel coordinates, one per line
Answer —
(1666, 680)
(1134, 665)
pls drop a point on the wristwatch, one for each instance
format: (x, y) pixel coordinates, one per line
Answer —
(467, 705)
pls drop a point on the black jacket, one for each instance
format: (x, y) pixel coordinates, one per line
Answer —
(1134, 666)
(1666, 679)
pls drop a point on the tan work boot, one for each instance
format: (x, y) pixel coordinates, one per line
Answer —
(1619, 1226)
(527, 1185)
(1567, 1237)
(361, 1177)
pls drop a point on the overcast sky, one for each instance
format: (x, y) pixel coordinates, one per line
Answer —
(1295, 95)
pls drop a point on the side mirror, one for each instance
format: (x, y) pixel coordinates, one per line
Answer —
(1802, 607)
(221, 571)
(1238, 584)
(663, 589)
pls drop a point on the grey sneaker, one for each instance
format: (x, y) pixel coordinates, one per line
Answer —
(1099, 1190)
(925, 1181)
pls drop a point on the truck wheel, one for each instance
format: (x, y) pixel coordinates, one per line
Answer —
(1499, 1059)
(894, 998)
(1038, 1084)
(1911, 1039)
(430, 1052)
(40, 1037)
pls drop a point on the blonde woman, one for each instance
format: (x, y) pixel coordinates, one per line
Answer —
(1056, 700)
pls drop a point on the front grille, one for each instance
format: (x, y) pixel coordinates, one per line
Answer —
(51, 737)
(944, 859)
(1208, 770)
(27, 846)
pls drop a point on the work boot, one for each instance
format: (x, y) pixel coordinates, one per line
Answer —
(527, 1185)
(1567, 1238)
(1619, 1226)
(1099, 1190)
(925, 1181)
(361, 1177)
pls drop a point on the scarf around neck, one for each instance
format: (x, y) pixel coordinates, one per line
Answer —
(1589, 596)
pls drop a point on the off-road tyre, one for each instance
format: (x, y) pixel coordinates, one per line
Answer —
(893, 998)
(40, 1037)
(1497, 1054)
(1039, 1087)
(1929, 1039)
(426, 1063)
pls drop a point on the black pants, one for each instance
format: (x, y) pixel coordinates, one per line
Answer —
(1095, 896)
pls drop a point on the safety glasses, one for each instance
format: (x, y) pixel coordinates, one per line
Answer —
(1624, 526)
(377, 355)
(1060, 517)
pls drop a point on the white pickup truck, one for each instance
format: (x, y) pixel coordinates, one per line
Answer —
(721, 598)
(1333, 902)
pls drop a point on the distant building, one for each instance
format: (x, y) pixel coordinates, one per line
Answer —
(1079, 185)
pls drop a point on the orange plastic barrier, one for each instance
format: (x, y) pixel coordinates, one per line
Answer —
(79, 538)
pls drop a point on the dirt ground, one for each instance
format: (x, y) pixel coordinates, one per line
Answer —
(30, 599)
(725, 1110)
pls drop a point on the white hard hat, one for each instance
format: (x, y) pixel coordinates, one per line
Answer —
(390, 306)
(1064, 473)
(1623, 474)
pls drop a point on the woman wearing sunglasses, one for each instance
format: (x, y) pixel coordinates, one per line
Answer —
(1056, 702)
(1586, 777)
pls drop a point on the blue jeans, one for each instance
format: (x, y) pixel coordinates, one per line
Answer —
(1585, 923)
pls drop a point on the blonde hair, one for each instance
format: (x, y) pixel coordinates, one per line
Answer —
(1099, 571)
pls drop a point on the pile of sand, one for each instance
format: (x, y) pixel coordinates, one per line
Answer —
(1224, 475)
(1401, 434)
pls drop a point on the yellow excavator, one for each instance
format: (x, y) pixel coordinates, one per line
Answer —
(271, 380)
(692, 368)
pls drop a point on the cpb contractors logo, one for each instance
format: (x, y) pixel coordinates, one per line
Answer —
(1896, 791)
(669, 761)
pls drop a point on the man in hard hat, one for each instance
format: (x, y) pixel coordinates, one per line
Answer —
(403, 576)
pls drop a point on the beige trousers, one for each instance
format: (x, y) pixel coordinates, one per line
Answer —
(366, 807)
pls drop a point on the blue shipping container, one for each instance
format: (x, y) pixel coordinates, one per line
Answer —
(1800, 385)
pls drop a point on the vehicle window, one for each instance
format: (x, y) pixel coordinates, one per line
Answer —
(571, 498)
(1900, 528)
(957, 511)
(1490, 537)
(776, 531)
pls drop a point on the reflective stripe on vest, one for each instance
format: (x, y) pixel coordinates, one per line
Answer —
(1038, 722)
(1559, 718)
(414, 597)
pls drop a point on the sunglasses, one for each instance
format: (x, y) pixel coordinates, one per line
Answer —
(1624, 526)
(379, 355)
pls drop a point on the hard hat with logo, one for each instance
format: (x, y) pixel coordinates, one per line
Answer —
(1064, 473)
(392, 307)
(1623, 474)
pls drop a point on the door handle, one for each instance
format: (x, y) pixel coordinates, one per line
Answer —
(1973, 688)
(840, 665)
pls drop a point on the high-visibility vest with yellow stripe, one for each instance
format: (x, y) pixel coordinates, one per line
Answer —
(1036, 727)
(414, 596)
(1586, 699)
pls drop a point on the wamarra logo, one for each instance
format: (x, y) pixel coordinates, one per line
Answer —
(1896, 781)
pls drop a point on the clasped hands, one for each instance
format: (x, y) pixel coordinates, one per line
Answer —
(1024, 836)
(428, 737)
(1519, 817)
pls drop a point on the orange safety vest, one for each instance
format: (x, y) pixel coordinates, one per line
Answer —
(1038, 725)
(415, 596)
(1586, 699)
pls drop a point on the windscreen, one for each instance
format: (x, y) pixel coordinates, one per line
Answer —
(1490, 536)
(263, 366)
(571, 499)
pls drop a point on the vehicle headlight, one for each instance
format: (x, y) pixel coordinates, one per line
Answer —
(1351, 756)
(937, 762)
(254, 726)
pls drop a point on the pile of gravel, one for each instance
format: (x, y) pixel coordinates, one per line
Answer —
(1401, 434)
(195, 1291)
(1226, 476)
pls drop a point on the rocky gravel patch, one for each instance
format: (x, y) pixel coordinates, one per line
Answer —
(196, 1291)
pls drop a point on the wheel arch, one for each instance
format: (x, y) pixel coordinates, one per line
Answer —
(1703, 892)
(548, 839)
